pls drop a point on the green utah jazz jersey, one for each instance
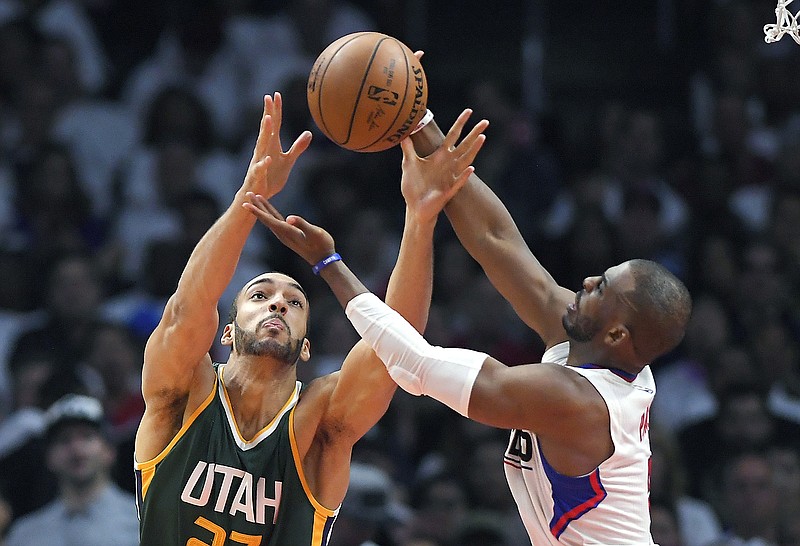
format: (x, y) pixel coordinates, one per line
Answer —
(210, 487)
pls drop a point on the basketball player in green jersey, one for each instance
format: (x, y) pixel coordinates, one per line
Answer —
(240, 452)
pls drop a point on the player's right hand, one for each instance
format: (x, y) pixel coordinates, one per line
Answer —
(310, 242)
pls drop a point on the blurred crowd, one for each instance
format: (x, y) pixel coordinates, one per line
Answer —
(125, 129)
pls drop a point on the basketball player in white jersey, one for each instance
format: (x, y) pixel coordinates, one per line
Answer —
(577, 461)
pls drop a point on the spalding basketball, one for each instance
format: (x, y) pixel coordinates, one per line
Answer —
(367, 91)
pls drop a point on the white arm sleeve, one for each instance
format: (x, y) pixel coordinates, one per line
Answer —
(446, 374)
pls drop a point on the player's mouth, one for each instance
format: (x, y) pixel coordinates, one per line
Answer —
(274, 324)
(573, 307)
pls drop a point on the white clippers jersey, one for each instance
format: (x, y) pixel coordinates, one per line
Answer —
(609, 506)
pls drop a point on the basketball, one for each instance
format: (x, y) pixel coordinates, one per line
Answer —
(367, 91)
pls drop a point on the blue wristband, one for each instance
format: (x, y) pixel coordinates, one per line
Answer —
(326, 262)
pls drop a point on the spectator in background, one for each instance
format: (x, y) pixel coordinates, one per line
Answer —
(72, 298)
(784, 226)
(440, 507)
(179, 153)
(685, 395)
(69, 20)
(664, 525)
(785, 463)
(55, 208)
(742, 423)
(481, 529)
(6, 517)
(25, 482)
(372, 244)
(776, 354)
(677, 518)
(90, 509)
(517, 154)
(16, 314)
(191, 53)
(370, 511)
(748, 501)
(764, 293)
(489, 498)
(99, 132)
(114, 354)
(591, 246)
(489, 323)
(715, 265)
(162, 260)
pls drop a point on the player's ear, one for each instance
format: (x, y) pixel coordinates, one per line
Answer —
(617, 334)
(227, 335)
(305, 352)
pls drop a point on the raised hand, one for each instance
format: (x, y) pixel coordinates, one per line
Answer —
(429, 183)
(270, 166)
(310, 242)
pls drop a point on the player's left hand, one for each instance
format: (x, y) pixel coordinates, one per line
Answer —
(270, 166)
(428, 183)
(310, 242)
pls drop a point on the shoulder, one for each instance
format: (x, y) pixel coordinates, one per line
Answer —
(318, 389)
(314, 399)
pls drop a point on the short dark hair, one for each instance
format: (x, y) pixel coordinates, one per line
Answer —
(662, 308)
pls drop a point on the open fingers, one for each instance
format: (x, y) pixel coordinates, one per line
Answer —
(264, 133)
(467, 142)
(277, 110)
(468, 149)
(459, 182)
(286, 233)
(454, 133)
(262, 209)
(269, 207)
(300, 145)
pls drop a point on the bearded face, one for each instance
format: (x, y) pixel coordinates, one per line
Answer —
(248, 344)
(580, 327)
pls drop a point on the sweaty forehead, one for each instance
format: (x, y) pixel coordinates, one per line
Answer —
(620, 277)
(270, 277)
(273, 279)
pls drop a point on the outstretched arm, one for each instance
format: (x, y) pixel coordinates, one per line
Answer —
(177, 372)
(364, 389)
(488, 232)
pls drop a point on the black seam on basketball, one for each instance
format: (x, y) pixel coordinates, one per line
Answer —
(361, 90)
(402, 104)
(319, 93)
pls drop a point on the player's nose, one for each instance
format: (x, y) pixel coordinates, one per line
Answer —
(278, 306)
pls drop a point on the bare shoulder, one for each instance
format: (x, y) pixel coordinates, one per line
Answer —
(318, 390)
(581, 439)
(311, 408)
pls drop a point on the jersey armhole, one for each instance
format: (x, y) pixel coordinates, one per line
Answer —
(298, 464)
(158, 458)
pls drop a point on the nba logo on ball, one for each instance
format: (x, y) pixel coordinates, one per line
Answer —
(367, 91)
